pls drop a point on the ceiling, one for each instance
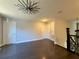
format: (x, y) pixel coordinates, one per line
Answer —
(61, 9)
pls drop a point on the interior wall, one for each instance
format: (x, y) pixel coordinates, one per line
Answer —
(72, 26)
(33, 30)
(60, 32)
(25, 32)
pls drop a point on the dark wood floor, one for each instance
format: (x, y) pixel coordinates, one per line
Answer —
(43, 49)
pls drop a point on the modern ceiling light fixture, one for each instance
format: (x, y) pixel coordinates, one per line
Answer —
(28, 6)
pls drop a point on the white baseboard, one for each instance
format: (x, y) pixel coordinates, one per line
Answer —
(29, 41)
(21, 42)
(2, 45)
(26, 41)
(53, 41)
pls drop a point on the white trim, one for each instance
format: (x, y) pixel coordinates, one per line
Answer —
(53, 41)
(21, 42)
(27, 41)
(2, 45)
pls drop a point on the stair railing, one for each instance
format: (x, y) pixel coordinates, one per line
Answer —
(72, 42)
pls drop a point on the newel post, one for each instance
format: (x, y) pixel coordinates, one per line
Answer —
(68, 38)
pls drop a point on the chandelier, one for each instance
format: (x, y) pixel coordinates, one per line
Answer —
(28, 6)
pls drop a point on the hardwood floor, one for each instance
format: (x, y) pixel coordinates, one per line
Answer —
(42, 49)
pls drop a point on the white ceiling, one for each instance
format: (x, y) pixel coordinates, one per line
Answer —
(49, 9)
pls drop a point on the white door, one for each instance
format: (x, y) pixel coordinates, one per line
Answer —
(9, 32)
(1, 32)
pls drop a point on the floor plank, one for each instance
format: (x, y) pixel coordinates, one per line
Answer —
(42, 49)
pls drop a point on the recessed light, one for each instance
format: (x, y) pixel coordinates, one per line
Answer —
(44, 20)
